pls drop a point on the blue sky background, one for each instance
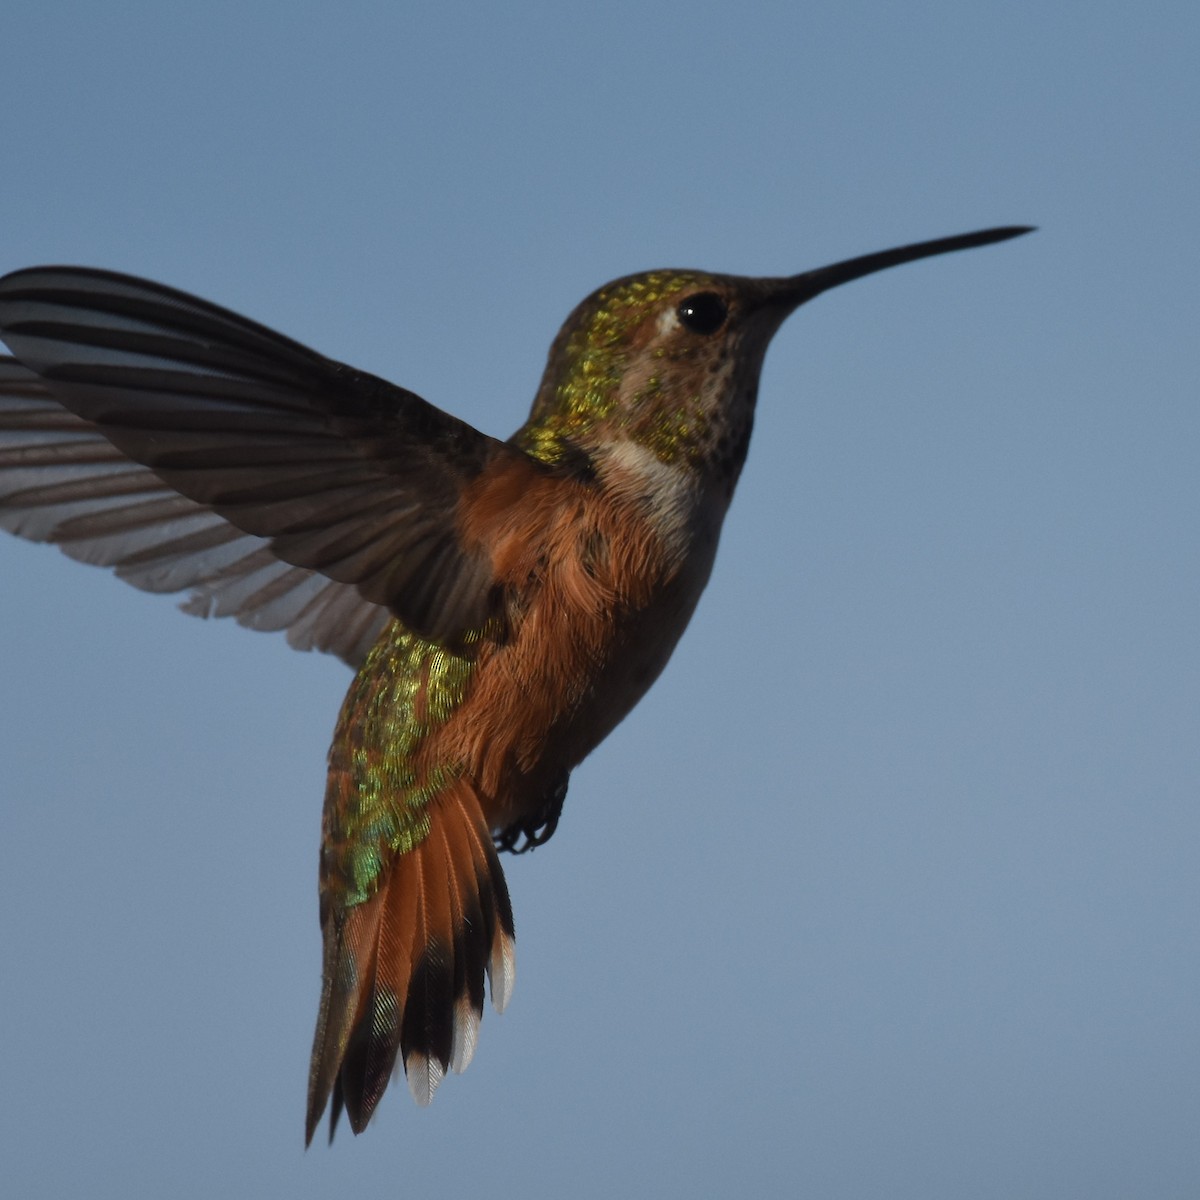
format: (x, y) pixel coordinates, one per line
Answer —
(889, 888)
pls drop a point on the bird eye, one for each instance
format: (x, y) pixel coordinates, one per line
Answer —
(705, 312)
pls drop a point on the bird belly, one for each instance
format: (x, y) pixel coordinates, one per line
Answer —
(541, 703)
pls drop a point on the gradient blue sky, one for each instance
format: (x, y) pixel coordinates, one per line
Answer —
(890, 887)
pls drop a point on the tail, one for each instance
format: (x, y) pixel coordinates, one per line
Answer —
(404, 971)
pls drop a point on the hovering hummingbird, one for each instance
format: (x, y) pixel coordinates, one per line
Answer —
(503, 604)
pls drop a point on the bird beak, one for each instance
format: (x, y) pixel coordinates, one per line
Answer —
(789, 293)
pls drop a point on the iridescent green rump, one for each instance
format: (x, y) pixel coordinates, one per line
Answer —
(581, 386)
(404, 690)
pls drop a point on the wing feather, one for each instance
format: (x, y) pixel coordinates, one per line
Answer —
(153, 432)
(62, 481)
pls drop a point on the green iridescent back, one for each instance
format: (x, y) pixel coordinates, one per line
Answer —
(405, 689)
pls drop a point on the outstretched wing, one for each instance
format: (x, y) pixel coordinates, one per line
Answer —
(62, 481)
(189, 448)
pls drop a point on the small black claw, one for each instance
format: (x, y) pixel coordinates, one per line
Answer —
(538, 829)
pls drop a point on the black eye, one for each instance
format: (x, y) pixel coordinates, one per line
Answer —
(705, 312)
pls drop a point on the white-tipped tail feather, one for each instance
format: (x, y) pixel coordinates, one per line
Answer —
(502, 970)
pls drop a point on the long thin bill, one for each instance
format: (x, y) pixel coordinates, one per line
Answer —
(799, 288)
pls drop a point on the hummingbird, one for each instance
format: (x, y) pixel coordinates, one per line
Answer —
(503, 604)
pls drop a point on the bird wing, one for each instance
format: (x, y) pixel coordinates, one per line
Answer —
(191, 449)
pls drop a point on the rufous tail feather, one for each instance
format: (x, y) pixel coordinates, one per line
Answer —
(404, 970)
